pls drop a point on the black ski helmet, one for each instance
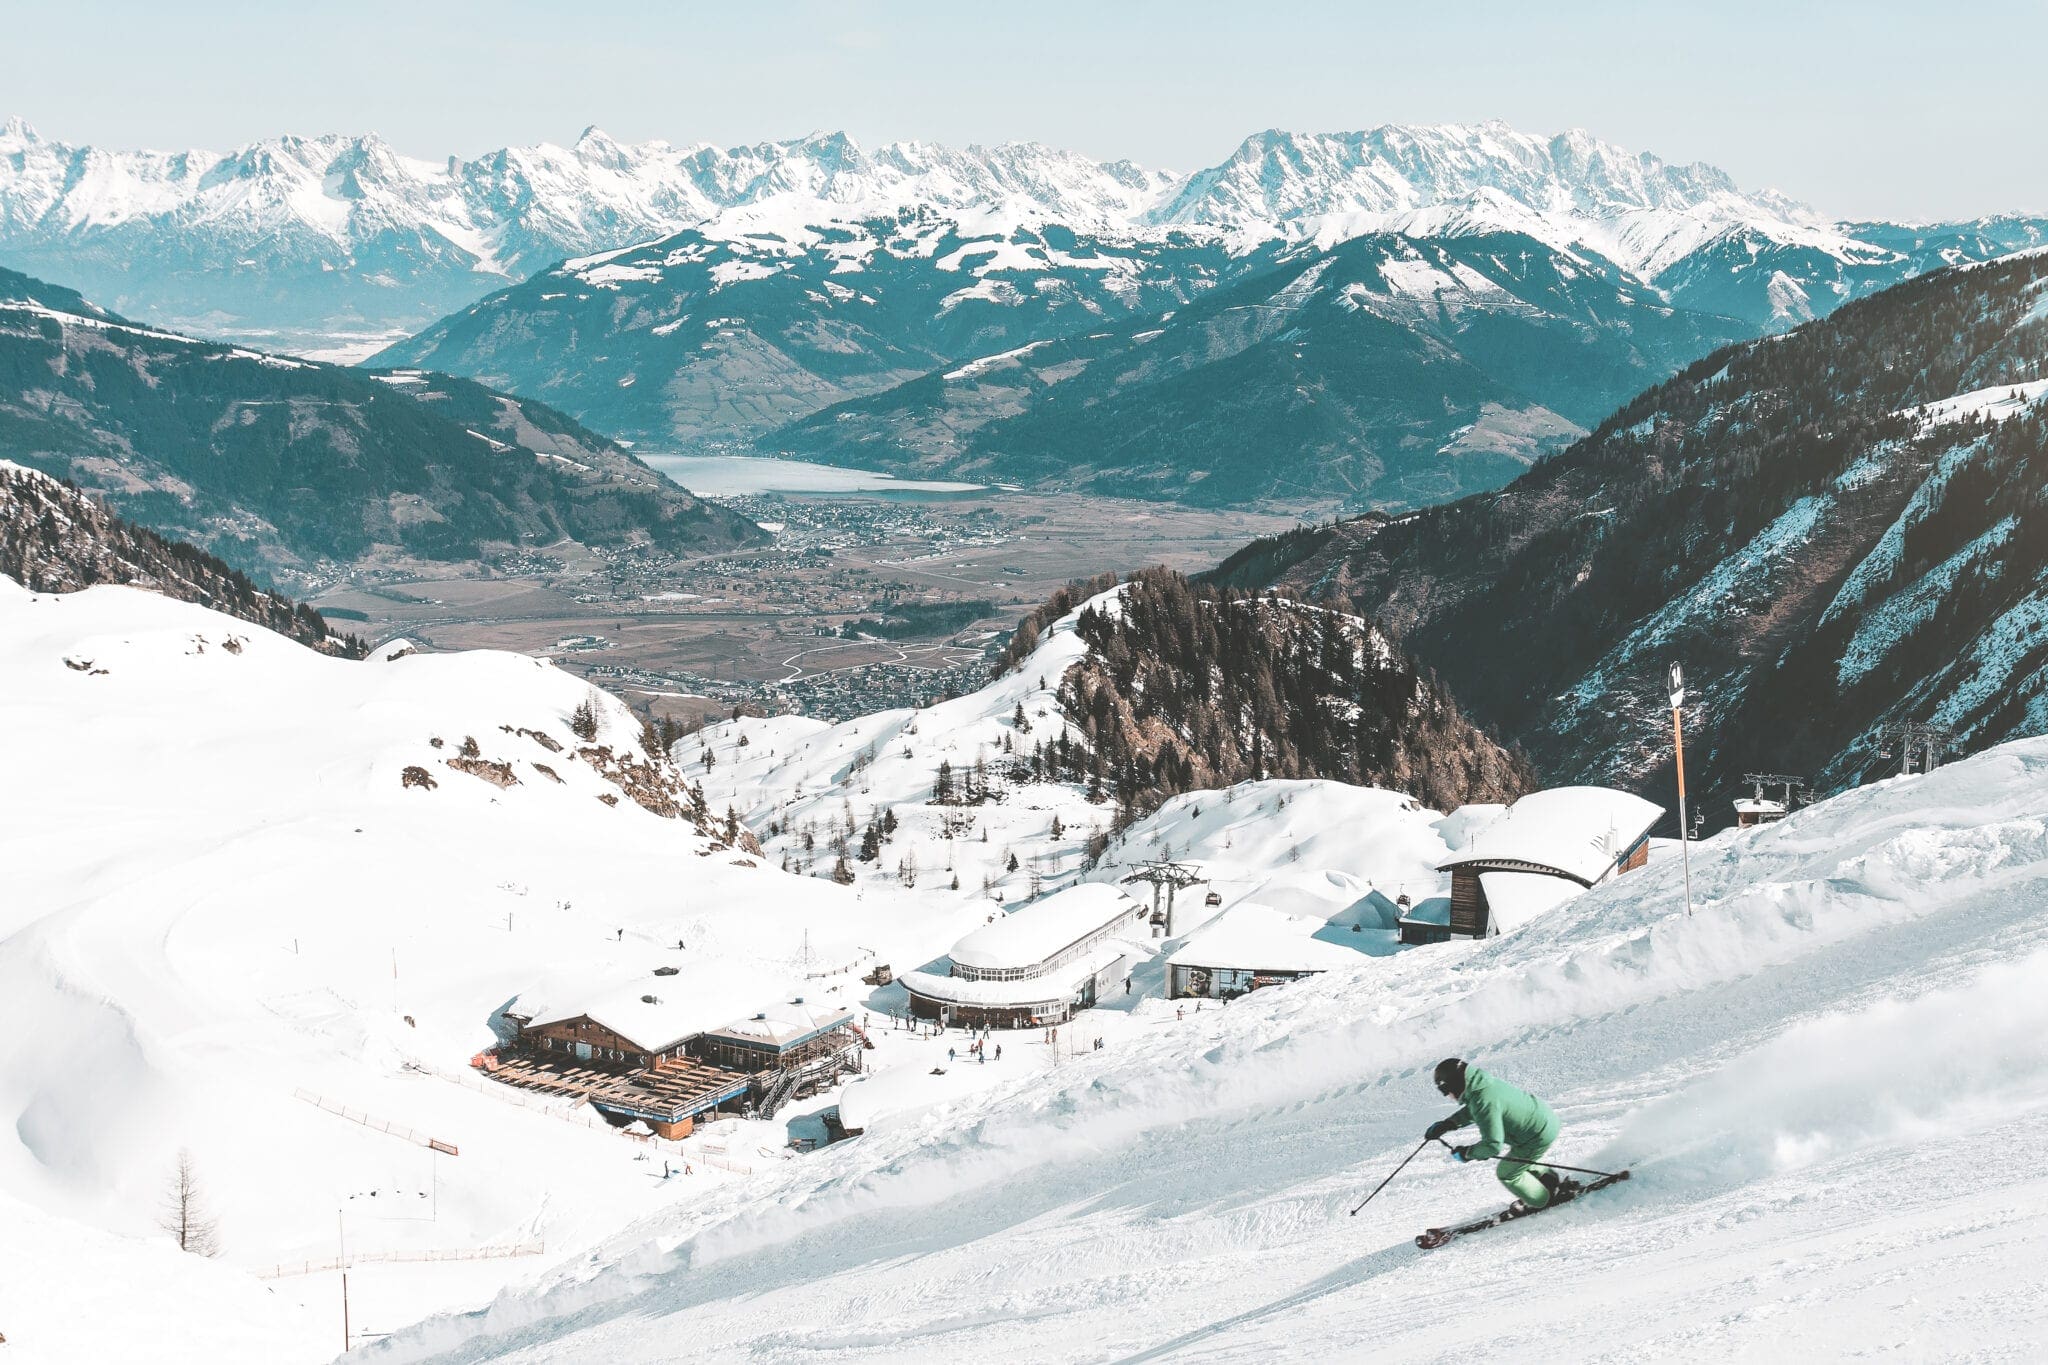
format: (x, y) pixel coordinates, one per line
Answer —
(1450, 1077)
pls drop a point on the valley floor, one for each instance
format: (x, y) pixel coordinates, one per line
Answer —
(697, 635)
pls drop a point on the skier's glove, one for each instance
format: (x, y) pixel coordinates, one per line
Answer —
(1437, 1130)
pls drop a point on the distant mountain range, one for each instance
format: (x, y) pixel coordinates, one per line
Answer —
(711, 340)
(340, 234)
(874, 307)
(296, 469)
(1833, 530)
(1383, 370)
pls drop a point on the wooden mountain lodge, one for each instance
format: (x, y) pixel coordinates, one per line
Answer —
(643, 1055)
(1539, 853)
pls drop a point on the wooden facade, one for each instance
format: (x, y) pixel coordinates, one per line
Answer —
(583, 1040)
(1469, 914)
(666, 1082)
(1419, 931)
(741, 1052)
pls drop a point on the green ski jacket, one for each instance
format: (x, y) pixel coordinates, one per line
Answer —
(1506, 1117)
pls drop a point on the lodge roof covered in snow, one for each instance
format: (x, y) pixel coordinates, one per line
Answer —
(661, 1012)
(1040, 931)
(1259, 938)
(785, 1026)
(1578, 833)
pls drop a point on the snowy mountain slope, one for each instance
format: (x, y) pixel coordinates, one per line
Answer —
(1021, 785)
(1383, 371)
(720, 332)
(281, 464)
(351, 236)
(334, 245)
(1287, 178)
(1833, 530)
(774, 284)
(1828, 1082)
(54, 538)
(1503, 291)
(237, 870)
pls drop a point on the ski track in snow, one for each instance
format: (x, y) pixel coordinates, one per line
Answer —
(1829, 1081)
(1829, 1084)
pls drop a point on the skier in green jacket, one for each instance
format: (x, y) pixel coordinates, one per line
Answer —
(1509, 1120)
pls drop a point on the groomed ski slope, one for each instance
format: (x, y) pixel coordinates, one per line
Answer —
(1831, 1084)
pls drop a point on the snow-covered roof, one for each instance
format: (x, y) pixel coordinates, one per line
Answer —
(680, 1008)
(1032, 933)
(1576, 832)
(1748, 805)
(1055, 986)
(1515, 898)
(1259, 938)
(1436, 911)
(784, 1025)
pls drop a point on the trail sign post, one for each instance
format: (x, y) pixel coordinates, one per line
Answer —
(1678, 749)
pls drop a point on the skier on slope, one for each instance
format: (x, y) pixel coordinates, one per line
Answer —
(1509, 1120)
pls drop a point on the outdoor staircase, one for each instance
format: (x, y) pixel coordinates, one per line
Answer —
(778, 1094)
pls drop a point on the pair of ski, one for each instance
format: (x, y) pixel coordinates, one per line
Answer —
(1567, 1191)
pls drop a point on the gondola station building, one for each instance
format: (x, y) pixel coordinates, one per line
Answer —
(1037, 965)
(1539, 853)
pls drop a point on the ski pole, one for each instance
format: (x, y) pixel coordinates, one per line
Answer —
(1396, 1171)
(1560, 1166)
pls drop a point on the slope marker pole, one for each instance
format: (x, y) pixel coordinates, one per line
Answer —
(1678, 748)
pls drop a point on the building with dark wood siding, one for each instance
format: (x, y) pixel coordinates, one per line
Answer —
(642, 1054)
(1540, 852)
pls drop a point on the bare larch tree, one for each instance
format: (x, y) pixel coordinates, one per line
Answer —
(184, 1213)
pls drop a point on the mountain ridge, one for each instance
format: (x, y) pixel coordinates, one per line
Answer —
(55, 539)
(342, 216)
(290, 467)
(1836, 530)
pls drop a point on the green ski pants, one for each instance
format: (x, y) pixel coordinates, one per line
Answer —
(1518, 1170)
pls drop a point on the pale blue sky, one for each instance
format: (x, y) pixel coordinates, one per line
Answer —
(1877, 108)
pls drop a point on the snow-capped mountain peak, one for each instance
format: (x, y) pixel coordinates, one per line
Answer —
(358, 241)
(1459, 179)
